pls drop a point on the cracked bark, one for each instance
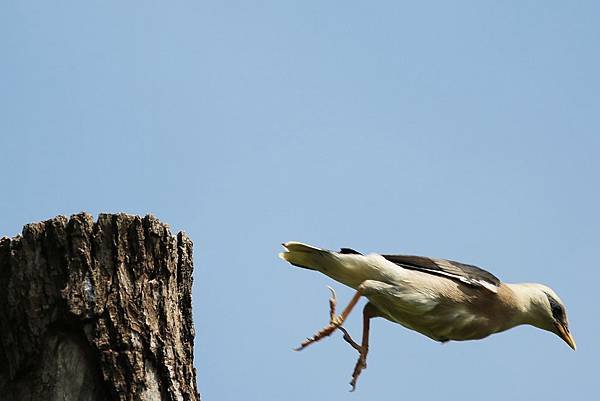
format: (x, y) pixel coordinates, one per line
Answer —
(96, 311)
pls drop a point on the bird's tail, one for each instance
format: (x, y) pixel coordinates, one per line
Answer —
(305, 256)
(346, 266)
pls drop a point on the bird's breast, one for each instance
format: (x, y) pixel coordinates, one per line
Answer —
(446, 322)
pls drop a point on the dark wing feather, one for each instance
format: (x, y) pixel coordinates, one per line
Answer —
(349, 251)
(467, 274)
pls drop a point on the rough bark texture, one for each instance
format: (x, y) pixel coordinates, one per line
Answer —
(96, 311)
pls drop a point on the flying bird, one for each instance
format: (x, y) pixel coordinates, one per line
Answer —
(442, 299)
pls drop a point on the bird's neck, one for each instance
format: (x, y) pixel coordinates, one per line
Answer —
(526, 301)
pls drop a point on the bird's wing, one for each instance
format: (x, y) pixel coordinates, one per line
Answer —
(467, 274)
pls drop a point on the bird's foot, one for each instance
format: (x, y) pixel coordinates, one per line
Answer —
(349, 339)
(335, 322)
(361, 364)
(319, 335)
(332, 304)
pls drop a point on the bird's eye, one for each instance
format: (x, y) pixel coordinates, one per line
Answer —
(557, 310)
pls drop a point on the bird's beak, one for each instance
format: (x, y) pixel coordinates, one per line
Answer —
(565, 334)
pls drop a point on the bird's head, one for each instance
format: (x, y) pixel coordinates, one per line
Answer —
(547, 311)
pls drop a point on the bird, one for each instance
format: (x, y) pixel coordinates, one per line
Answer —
(441, 299)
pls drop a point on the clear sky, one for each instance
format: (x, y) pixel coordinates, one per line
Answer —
(464, 130)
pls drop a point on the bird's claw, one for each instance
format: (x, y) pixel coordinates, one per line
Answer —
(349, 339)
(335, 322)
(358, 368)
(332, 303)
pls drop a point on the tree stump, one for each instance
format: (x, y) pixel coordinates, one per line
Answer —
(97, 311)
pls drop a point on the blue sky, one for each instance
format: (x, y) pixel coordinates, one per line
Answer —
(465, 130)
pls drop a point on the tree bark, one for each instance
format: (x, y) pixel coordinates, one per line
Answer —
(96, 311)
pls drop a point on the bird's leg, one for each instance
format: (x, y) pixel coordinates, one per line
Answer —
(347, 337)
(369, 311)
(335, 321)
